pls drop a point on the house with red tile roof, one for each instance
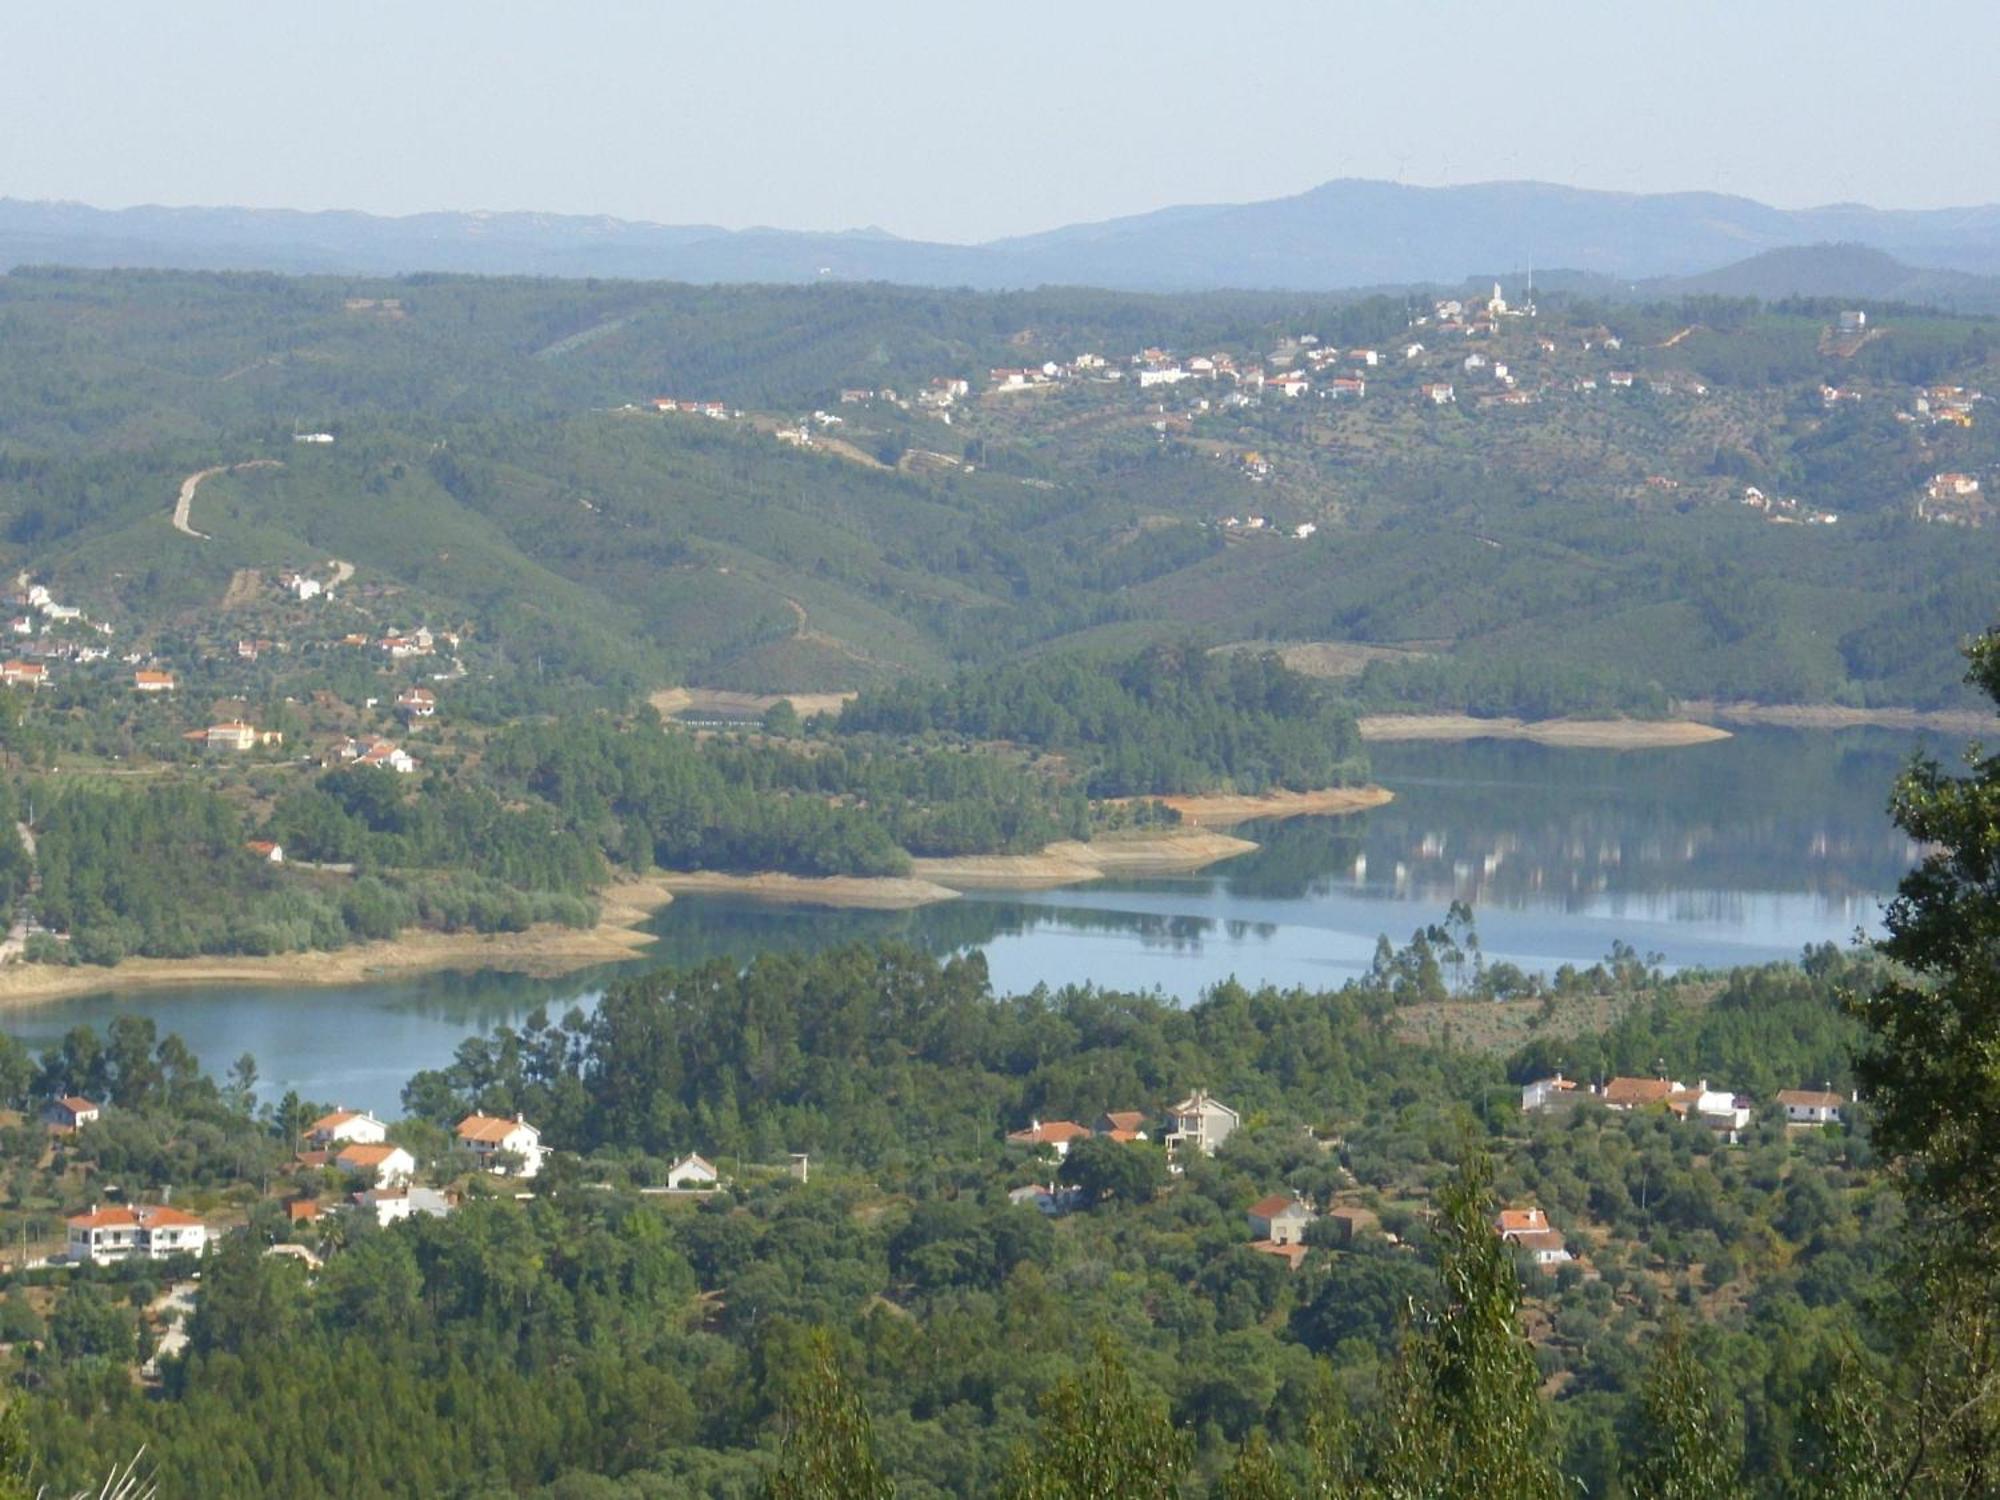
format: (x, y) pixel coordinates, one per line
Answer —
(71, 1112)
(1281, 1219)
(148, 1232)
(496, 1139)
(1122, 1124)
(377, 1162)
(1529, 1230)
(1057, 1135)
(1638, 1093)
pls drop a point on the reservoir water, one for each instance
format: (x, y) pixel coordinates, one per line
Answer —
(1739, 851)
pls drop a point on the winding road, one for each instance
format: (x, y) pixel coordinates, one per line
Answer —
(193, 482)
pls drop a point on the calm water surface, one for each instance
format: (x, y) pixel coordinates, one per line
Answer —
(1735, 852)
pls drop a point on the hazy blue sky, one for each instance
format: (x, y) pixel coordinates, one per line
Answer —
(952, 120)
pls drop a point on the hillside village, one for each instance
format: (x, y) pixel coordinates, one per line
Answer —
(1484, 353)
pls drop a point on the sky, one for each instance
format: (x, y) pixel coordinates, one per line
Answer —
(965, 122)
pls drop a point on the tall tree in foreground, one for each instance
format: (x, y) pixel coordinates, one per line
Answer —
(1683, 1450)
(1931, 1071)
(829, 1443)
(1475, 1424)
(1102, 1440)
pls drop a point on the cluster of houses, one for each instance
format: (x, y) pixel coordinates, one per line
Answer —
(1199, 1122)
(358, 1144)
(1954, 499)
(1949, 405)
(1261, 525)
(1786, 510)
(715, 410)
(1724, 1111)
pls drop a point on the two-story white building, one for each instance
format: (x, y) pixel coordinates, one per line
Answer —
(148, 1232)
(494, 1138)
(1200, 1122)
(377, 1163)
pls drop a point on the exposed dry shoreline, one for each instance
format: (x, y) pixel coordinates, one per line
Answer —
(1830, 716)
(1579, 734)
(547, 951)
(544, 951)
(865, 892)
(1149, 852)
(1221, 810)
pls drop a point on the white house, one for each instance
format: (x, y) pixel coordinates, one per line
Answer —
(1201, 1122)
(71, 1112)
(1811, 1106)
(377, 1163)
(491, 1137)
(391, 1205)
(692, 1173)
(1545, 1094)
(1719, 1109)
(347, 1126)
(1529, 1230)
(1281, 1219)
(301, 587)
(153, 1232)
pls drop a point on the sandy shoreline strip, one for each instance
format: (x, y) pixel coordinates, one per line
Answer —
(544, 951)
(548, 951)
(863, 892)
(1831, 716)
(1579, 734)
(1163, 851)
(1220, 810)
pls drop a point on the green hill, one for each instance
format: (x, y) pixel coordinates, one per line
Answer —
(499, 468)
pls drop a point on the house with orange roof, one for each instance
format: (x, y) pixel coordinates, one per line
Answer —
(1122, 1124)
(71, 1112)
(23, 674)
(497, 1141)
(377, 1163)
(1057, 1135)
(1529, 1230)
(148, 1232)
(152, 682)
(1638, 1093)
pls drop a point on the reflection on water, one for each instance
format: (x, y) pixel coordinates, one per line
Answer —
(1733, 852)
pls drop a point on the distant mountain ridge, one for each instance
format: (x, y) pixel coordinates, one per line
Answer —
(1343, 234)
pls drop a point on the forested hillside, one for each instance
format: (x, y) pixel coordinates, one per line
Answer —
(494, 462)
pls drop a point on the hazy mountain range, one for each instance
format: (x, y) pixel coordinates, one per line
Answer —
(1343, 234)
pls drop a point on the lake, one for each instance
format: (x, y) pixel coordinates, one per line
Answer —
(1739, 851)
